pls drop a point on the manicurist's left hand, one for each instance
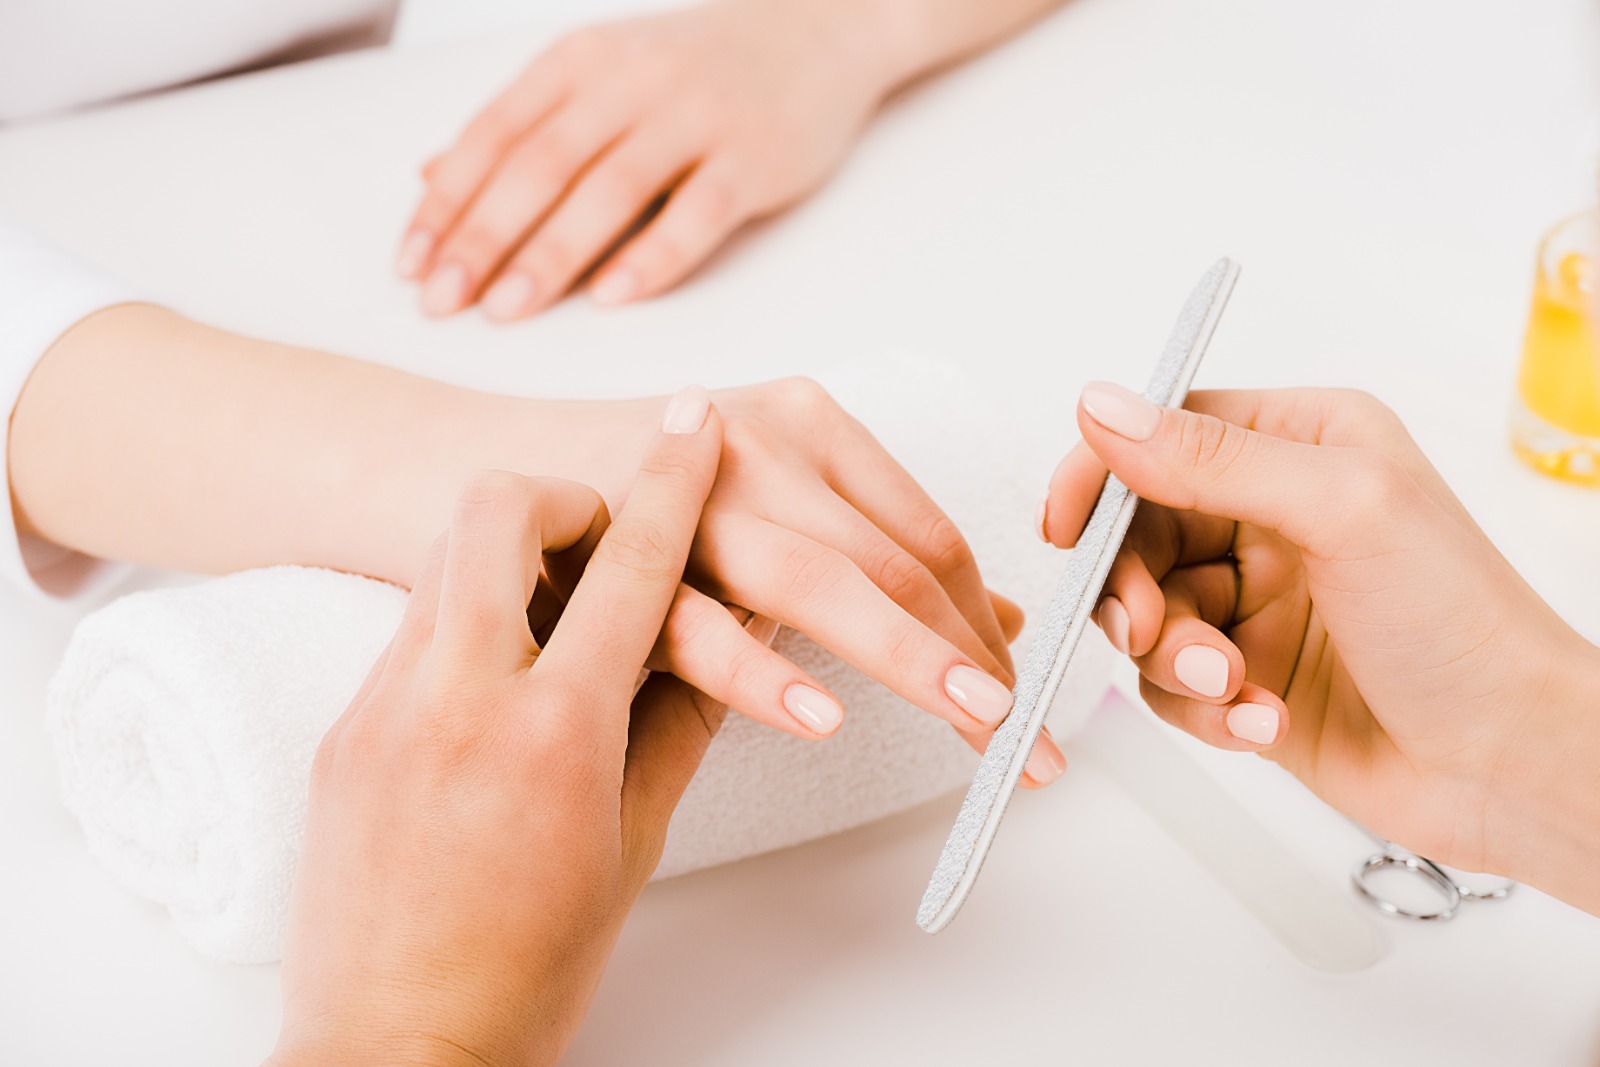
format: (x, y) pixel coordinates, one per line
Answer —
(485, 813)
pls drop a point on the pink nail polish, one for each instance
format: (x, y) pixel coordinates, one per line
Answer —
(762, 628)
(1040, 519)
(508, 298)
(1122, 411)
(1115, 623)
(813, 709)
(686, 412)
(445, 290)
(979, 695)
(617, 287)
(1203, 669)
(414, 252)
(1045, 763)
(1255, 723)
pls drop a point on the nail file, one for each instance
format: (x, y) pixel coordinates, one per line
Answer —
(1075, 596)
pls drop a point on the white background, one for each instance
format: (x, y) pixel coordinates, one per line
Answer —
(1382, 170)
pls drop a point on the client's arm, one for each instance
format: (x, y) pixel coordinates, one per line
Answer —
(731, 110)
(144, 436)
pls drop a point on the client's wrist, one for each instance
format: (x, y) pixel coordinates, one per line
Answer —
(1544, 827)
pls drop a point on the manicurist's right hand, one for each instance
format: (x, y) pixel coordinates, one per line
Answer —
(1301, 583)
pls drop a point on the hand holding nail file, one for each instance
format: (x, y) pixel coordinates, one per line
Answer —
(1002, 764)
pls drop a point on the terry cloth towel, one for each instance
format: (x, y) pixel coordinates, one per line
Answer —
(185, 720)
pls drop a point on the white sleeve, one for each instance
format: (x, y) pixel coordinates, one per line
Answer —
(43, 292)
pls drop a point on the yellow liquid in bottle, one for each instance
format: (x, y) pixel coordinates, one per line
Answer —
(1556, 428)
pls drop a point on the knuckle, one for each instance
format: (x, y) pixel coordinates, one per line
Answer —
(1375, 487)
(550, 256)
(907, 642)
(943, 546)
(903, 579)
(716, 201)
(804, 398)
(493, 496)
(624, 187)
(810, 572)
(641, 547)
(1210, 447)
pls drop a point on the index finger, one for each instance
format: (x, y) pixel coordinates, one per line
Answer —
(620, 604)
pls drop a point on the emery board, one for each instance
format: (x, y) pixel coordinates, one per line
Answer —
(1063, 623)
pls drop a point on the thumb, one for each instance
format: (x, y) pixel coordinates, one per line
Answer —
(1316, 496)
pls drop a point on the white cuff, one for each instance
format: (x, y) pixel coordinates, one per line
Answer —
(43, 293)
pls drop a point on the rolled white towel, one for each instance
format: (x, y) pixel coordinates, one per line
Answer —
(185, 720)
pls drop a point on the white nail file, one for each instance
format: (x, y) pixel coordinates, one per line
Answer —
(1063, 623)
(1322, 926)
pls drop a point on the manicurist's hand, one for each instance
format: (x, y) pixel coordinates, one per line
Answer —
(1299, 582)
(731, 110)
(486, 812)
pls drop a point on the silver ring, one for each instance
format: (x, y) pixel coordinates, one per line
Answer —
(1453, 895)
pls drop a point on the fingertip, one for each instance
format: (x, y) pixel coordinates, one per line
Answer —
(1046, 762)
(617, 285)
(1074, 488)
(818, 713)
(1260, 721)
(414, 253)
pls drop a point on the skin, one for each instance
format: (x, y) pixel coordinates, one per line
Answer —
(810, 523)
(630, 151)
(1421, 686)
(487, 810)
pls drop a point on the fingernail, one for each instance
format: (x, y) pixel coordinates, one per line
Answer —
(762, 628)
(509, 297)
(617, 287)
(1203, 669)
(414, 252)
(1040, 518)
(445, 290)
(813, 709)
(1115, 623)
(1255, 723)
(1122, 411)
(1045, 763)
(686, 412)
(978, 694)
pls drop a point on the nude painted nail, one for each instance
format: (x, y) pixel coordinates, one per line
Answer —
(509, 297)
(1255, 723)
(414, 252)
(617, 287)
(445, 290)
(979, 695)
(1040, 517)
(813, 709)
(762, 628)
(1122, 411)
(1115, 623)
(1045, 763)
(686, 412)
(1203, 669)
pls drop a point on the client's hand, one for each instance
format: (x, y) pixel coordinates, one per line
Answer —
(730, 111)
(1301, 583)
(486, 812)
(812, 524)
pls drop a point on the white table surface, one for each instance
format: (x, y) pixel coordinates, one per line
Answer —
(1382, 170)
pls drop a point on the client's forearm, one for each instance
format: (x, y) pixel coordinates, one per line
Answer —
(147, 437)
(924, 35)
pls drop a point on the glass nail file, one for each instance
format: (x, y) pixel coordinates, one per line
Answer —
(1075, 597)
